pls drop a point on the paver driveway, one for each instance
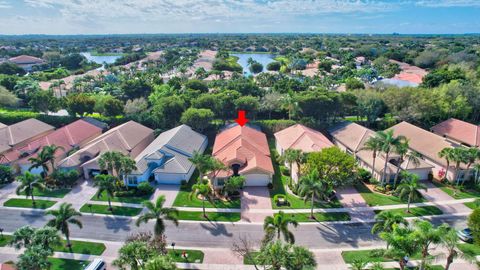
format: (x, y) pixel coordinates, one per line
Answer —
(350, 198)
(255, 198)
(435, 194)
(169, 191)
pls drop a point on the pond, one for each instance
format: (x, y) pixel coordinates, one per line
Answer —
(262, 58)
(100, 59)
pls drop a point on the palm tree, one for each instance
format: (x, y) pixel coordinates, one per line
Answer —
(409, 188)
(293, 156)
(402, 242)
(359, 264)
(201, 162)
(472, 155)
(385, 221)
(411, 157)
(105, 183)
(42, 160)
(427, 235)
(28, 183)
(450, 241)
(203, 190)
(290, 104)
(51, 150)
(388, 143)
(374, 145)
(63, 216)
(158, 213)
(447, 154)
(110, 161)
(476, 169)
(127, 165)
(278, 225)
(311, 186)
(460, 156)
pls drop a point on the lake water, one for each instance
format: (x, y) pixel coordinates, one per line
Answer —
(109, 59)
(262, 58)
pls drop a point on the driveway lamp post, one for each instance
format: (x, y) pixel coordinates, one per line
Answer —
(173, 247)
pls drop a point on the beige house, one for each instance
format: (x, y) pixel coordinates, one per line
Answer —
(130, 138)
(459, 132)
(21, 133)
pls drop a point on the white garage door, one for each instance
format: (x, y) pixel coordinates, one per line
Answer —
(171, 179)
(256, 180)
(422, 173)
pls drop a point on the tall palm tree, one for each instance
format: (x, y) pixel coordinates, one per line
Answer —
(127, 165)
(427, 235)
(411, 157)
(158, 213)
(201, 162)
(374, 145)
(408, 189)
(110, 161)
(290, 103)
(385, 221)
(388, 143)
(105, 183)
(449, 240)
(447, 154)
(312, 187)
(460, 155)
(28, 183)
(203, 190)
(476, 170)
(51, 150)
(63, 216)
(402, 243)
(41, 160)
(472, 155)
(292, 156)
(278, 225)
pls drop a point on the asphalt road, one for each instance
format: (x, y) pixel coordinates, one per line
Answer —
(204, 234)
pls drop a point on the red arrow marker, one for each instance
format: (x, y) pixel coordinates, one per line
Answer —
(241, 119)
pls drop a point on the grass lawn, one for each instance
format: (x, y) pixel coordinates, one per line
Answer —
(369, 255)
(320, 217)
(136, 199)
(455, 193)
(469, 249)
(193, 256)
(212, 216)
(415, 211)
(4, 240)
(27, 203)
(82, 247)
(183, 198)
(376, 199)
(56, 193)
(62, 264)
(295, 202)
(117, 210)
(471, 205)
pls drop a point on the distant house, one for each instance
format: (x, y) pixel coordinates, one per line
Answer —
(21, 133)
(166, 158)
(69, 137)
(301, 138)
(26, 62)
(351, 138)
(459, 132)
(130, 138)
(244, 150)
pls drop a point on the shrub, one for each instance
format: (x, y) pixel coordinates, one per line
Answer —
(6, 175)
(65, 178)
(364, 175)
(272, 126)
(474, 224)
(274, 66)
(144, 188)
(125, 193)
(279, 197)
(285, 170)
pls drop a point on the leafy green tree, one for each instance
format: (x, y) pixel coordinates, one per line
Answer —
(277, 255)
(7, 98)
(460, 155)
(6, 174)
(160, 263)
(277, 226)
(370, 105)
(28, 183)
(63, 216)
(111, 161)
(256, 67)
(233, 184)
(168, 110)
(474, 224)
(294, 156)
(133, 255)
(248, 103)
(24, 88)
(198, 119)
(290, 103)
(105, 184)
(408, 188)
(158, 213)
(300, 258)
(135, 88)
(203, 190)
(197, 85)
(11, 69)
(402, 243)
(352, 83)
(22, 237)
(271, 102)
(427, 235)
(34, 258)
(44, 101)
(113, 107)
(450, 241)
(202, 163)
(274, 66)
(311, 187)
(80, 104)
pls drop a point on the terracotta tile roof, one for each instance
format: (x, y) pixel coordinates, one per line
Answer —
(68, 137)
(25, 59)
(303, 138)
(21, 132)
(244, 145)
(409, 73)
(459, 130)
(5, 266)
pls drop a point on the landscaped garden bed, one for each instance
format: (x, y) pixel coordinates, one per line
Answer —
(116, 210)
(373, 198)
(415, 211)
(371, 255)
(27, 203)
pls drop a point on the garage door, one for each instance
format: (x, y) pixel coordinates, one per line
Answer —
(256, 180)
(422, 173)
(171, 179)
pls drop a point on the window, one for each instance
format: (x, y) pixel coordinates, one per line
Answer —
(220, 181)
(132, 180)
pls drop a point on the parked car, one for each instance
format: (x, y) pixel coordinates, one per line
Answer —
(465, 235)
(97, 264)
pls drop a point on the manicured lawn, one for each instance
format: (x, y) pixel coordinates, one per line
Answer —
(295, 202)
(56, 193)
(82, 247)
(369, 255)
(471, 205)
(4, 240)
(212, 216)
(183, 198)
(455, 193)
(117, 210)
(376, 199)
(415, 211)
(27, 203)
(470, 249)
(193, 256)
(320, 217)
(136, 199)
(62, 264)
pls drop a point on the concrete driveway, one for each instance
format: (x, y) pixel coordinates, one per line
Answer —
(435, 194)
(350, 198)
(169, 191)
(255, 198)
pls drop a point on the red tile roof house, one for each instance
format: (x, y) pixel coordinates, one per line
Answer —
(130, 138)
(26, 62)
(459, 132)
(69, 137)
(301, 138)
(244, 150)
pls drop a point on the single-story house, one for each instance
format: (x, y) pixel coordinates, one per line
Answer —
(301, 138)
(26, 62)
(70, 137)
(166, 158)
(428, 144)
(244, 150)
(351, 138)
(21, 133)
(130, 138)
(458, 132)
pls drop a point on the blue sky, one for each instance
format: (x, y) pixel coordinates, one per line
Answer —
(238, 16)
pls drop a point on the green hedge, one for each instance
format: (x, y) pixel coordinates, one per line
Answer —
(272, 126)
